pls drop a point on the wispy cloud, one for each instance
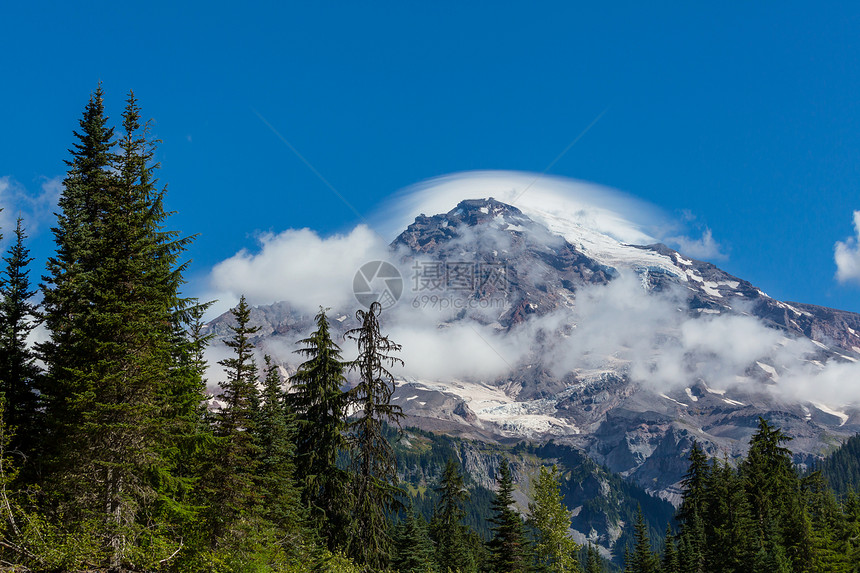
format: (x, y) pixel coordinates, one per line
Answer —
(602, 209)
(704, 248)
(297, 266)
(847, 255)
(37, 207)
(620, 324)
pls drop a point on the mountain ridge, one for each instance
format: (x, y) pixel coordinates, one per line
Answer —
(608, 401)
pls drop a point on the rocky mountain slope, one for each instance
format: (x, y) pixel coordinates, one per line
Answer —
(627, 352)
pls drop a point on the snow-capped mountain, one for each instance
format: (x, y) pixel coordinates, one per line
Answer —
(628, 351)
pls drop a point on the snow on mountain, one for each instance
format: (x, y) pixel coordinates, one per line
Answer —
(532, 324)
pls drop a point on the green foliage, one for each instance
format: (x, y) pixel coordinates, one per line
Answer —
(374, 464)
(111, 300)
(233, 471)
(448, 531)
(593, 562)
(508, 547)
(643, 560)
(555, 551)
(280, 497)
(19, 375)
(412, 550)
(841, 469)
(761, 516)
(319, 405)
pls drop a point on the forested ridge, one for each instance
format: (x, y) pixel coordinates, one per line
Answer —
(111, 459)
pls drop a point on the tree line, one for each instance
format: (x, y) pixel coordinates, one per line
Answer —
(111, 458)
(761, 515)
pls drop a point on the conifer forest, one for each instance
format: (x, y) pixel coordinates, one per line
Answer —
(112, 457)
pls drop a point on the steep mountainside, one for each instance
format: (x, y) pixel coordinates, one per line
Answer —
(627, 352)
(603, 504)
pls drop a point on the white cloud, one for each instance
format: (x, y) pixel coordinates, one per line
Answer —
(704, 248)
(621, 216)
(298, 266)
(37, 208)
(847, 255)
(620, 325)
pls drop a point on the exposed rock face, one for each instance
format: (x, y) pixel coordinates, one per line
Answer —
(633, 427)
(540, 269)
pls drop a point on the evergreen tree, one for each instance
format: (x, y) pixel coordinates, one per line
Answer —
(643, 559)
(412, 548)
(555, 551)
(67, 292)
(728, 525)
(280, 496)
(773, 489)
(319, 405)
(448, 531)
(232, 481)
(771, 557)
(111, 299)
(690, 514)
(18, 371)
(374, 463)
(593, 563)
(508, 545)
(827, 522)
(670, 563)
(628, 560)
(841, 469)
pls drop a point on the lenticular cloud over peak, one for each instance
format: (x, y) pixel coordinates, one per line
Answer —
(594, 207)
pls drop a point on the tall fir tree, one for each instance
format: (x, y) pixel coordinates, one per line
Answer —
(235, 499)
(280, 496)
(690, 514)
(643, 559)
(728, 525)
(447, 528)
(19, 374)
(554, 550)
(320, 404)
(593, 562)
(412, 550)
(669, 563)
(111, 297)
(508, 545)
(374, 464)
(67, 289)
(773, 489)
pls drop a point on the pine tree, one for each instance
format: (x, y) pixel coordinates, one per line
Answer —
(643, 559)
(690, 514)
(448, 531)
(593, 563)
(18, 371)
(728, 525)
(320, 405)
(555, 551)
(670, 562)
(232, 480)
(412, 550)
(280, 496)
(67, 290)
(374, 463)
(628, 560)
(508, 545)
(111, 301)
(773, 489)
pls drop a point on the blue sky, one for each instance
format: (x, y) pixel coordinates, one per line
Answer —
(735, 119)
